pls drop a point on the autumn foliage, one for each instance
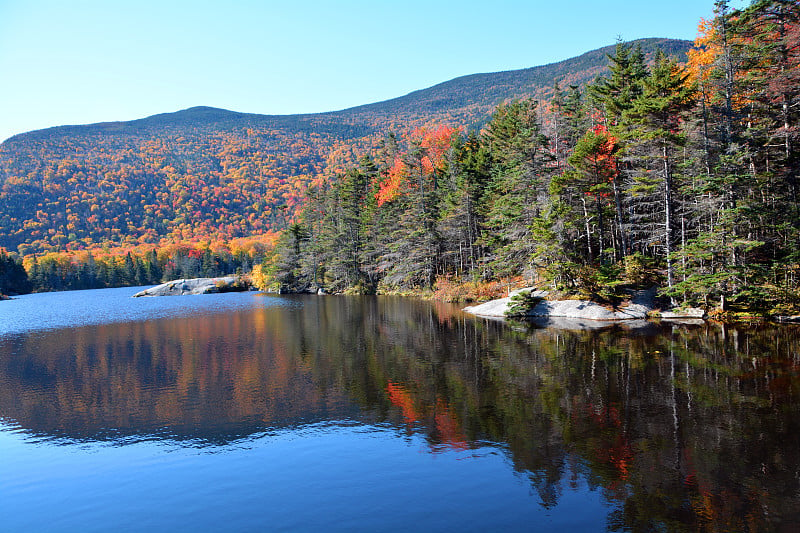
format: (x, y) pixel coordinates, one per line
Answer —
(430, 148)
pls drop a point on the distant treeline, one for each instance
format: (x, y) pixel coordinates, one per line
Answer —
(98, 269)
(682, 176)
(13, 278)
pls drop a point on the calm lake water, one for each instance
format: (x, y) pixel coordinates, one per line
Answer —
(248, 412)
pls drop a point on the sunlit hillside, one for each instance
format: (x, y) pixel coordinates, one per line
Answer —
(215, 175)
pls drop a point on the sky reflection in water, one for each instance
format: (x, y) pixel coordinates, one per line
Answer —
(341, 477)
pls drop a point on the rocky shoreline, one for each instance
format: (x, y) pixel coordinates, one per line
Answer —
(641, 305)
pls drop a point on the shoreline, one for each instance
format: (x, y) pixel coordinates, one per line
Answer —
(641, 306)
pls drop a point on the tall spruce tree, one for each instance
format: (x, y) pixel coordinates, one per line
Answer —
(461, 219)
(614, 94)
(519, 190)
(656, 116)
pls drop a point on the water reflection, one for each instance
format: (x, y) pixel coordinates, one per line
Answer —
(681, 427)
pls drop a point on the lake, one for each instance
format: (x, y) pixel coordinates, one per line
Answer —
(252, 412)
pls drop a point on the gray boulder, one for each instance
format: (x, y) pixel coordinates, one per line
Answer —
(181, 287)
(683, 313)
(587, 310)
(492, 308)
(641, 303)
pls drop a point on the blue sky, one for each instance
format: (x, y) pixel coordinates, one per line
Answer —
(83, 61)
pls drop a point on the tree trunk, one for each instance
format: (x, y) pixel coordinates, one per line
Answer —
(588, 231)
(668, 215)
(623, 237)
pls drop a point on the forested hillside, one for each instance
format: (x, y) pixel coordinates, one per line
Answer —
(212, 175)
(196, 174)
(660, 174)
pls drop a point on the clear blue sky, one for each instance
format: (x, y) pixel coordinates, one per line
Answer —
(83, 61)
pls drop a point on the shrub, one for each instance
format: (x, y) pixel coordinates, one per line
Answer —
(521, 303)
(452, 289)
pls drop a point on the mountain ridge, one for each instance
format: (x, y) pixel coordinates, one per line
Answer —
(562, 68)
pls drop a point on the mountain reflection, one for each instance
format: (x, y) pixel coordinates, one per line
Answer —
(686, 427)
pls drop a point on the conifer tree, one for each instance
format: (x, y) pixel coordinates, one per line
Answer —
(13, 277)
(614, 94)
(587, 185)
(461, 219)
(656, 116)
(346, 261)
(520, 183)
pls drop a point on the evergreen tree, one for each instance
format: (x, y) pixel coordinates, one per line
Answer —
(461, 221)
(351, 190)
(614, 94)
(656, 116)
(587, 187)
(569, 122)
(520, 183)
(13, 277)
(416, 245)
(153, 268)
(128, 274)
(140, 276)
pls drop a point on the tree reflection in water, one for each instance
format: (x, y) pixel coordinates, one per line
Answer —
(681, 427)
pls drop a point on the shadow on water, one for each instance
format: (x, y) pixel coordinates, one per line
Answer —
(683, 427)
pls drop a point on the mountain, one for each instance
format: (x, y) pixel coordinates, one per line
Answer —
(476, 95)
(211, 174)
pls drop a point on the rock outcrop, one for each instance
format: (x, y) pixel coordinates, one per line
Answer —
(492, 308)
(686, 313)
(181, 287)
(641, 303)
